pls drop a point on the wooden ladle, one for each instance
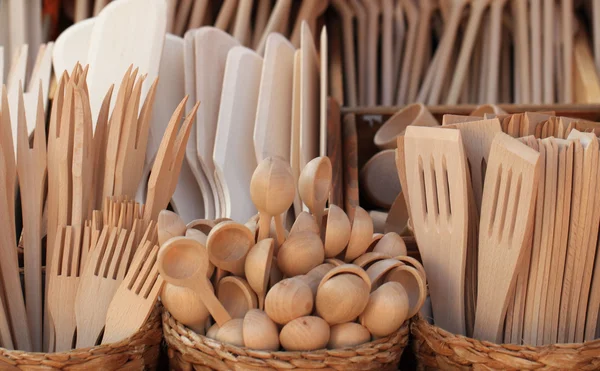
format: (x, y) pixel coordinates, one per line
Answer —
(183, 262)
(228, 243)
(258, 268)
(272, 191)
(314, 185)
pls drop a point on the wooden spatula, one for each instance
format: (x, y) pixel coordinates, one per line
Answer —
(438, 199)
(506, 225)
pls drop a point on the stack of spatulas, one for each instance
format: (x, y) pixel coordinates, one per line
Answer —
(395, 52)
(507, 225)
(83, 169)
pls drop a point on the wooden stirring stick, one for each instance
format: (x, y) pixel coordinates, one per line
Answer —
(31, 163)
(535, 22)
(567, 48)
(496, 9)
(548, 51)
(347, 15)
(475, 15)
(412, 15)
(387, 51)
(426, 8)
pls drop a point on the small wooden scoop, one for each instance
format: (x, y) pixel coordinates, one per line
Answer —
(506, 225)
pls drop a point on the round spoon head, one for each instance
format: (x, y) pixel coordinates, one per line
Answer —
(236, 296)
(305, 223)
(314, 184)
(258, 265)
(361, 235)
(391, 244)
(337, 231)
(203, 225)
(169, 225)
(182, 261)
(228, 243)
(413, 283)
(414, 114)
(272, 187)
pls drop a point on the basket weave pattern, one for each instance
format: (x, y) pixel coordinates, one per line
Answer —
(437, 349)
(190, 351)
(138, 352)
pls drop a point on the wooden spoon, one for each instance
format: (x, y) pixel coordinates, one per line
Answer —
(314, 185)
(272, 191)
(228, 244)
(413, 283)
(300, 253)
(379, 179)
(183, 262)
(391, 244)
(411, 115)
(260, 332)
(342, 296)
(258, 267)
(305, 223)
(289, 299)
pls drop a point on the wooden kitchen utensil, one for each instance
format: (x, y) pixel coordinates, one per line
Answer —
(136, 296)
(379, 179)
(411, 115)
(71, 46)
(314, 186)
(228, 244)
(360, 236)
(289, 299)
(438, 199)
(183, 262)
(272, 128)
(237, 113)
(342, 295)
(503, 236)
(258, 267)
(169, 225)
(31, 163)
(300, 253)
(272, 191)
(336, 231)
(309, 98)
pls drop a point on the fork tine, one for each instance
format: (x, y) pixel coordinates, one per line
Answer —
(106, 258)
(103, 241)
(39, 139)
(130, 84)
(67, 252)
(76, 251)
(143, 125)
(100, 143)
(22, 136)
(36, 68)
(86, 244)
(59, 245)
(123, 266)
(136, 264)
(115, 260)
(180, 147)
(149, 274)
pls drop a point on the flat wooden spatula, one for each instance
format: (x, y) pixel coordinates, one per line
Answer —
(506, 225)
(436, 171)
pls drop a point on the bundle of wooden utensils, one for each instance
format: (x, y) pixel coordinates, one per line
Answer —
(395, 52)
(99, 245)
(506, 216)
(328, 283)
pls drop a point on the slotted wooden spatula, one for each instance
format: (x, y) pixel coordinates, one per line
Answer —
(505, 227)
(436, 171)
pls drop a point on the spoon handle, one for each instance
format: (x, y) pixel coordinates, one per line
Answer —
(279, 230)
(264, 226)
(214, 306)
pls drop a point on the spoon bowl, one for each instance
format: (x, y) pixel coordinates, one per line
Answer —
(391, 244)
(414, 114)
(305, 223)
(300, 253)
(185, 306)
(305, 334)
(272, 189)
(413, 283)
(390, 301)
(228, 243)
(259, 331)
(232, 332)
(202, 225)
(367, 259)
(236, 296)
(336, 234)
(289, 299)
(361, 235)
(314, 185)
(258, 268)
(348, 335)
(379, 269)
(314, 277)
(169, 225)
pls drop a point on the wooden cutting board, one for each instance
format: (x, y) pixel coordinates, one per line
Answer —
(234, 155)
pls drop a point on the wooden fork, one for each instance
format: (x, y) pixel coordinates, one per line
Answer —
(135, 297)
(165, 171)
(100, 279)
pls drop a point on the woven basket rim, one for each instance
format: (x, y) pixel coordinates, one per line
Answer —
(438, 348)
(125, 343)
(205, 351)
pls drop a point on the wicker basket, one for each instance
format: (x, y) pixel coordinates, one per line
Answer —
(188, 350)
(437, 349)
(138, 352)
